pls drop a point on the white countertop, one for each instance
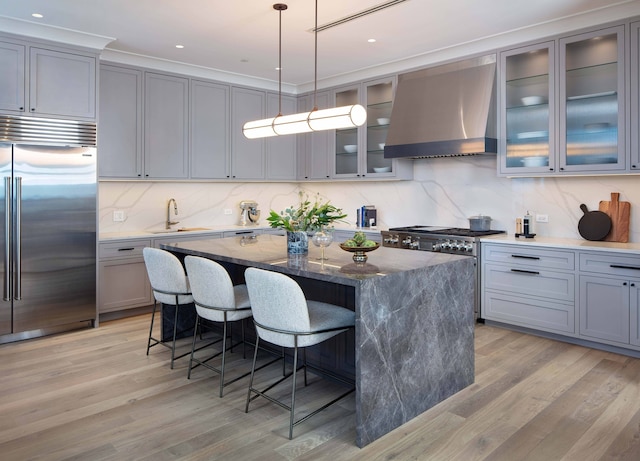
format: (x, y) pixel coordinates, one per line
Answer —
(565, 243)
(126, 235)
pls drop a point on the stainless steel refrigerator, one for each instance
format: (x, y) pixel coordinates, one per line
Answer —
(48, 226)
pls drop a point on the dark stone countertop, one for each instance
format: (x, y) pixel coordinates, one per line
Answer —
(270, 252)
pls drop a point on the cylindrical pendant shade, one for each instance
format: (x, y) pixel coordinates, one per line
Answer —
(292, 124)
(338, 117)
(304, 122)
(259, 128)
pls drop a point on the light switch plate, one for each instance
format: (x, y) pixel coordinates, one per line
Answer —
(118, 216)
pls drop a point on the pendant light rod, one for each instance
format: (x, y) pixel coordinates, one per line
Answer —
(315, 72)
(280, 7)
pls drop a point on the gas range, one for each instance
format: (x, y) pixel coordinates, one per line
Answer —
(453, 240)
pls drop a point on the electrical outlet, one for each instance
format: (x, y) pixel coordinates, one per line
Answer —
(542, 218)
(228, 211)
(118, 216)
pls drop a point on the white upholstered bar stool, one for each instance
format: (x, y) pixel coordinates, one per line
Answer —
(170, 285)
(284, 317)
(217, 300)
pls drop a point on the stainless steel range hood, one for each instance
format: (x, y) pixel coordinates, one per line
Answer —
(445, 111)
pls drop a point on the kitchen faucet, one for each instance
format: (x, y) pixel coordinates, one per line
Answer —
(175, 209)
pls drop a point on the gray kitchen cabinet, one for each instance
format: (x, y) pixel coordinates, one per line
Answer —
(359, 152)
(166, 126)
(592, 101)
(248, 155)
(280, 159)
(242, 233)
(12, 77)
(527, 109)
(210, 145)
(583, 131)
(120, 153)
(634, 164)
(604, 308)
(123, 281)
(609, 297)
(144, 119)
(634, 313)
(347, 144)
(314, 157)
(54, 83)
(529, 287)
(532, 286)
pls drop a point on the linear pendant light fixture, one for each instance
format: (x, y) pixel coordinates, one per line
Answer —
(304, 122)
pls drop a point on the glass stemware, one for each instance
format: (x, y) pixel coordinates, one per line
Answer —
(322, 239)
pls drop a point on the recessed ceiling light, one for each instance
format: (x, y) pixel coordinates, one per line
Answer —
(180, 46)
(371, 40)
(37, 15)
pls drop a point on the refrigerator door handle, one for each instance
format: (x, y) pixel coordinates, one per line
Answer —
(18, 243)
(7, 239)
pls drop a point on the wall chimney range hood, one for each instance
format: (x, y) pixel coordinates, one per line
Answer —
(445, 111)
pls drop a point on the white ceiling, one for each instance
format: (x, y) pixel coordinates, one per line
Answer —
(241, 36)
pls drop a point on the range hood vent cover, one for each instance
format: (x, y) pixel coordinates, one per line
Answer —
(445, 111)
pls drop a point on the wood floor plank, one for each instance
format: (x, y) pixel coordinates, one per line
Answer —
(95, 395)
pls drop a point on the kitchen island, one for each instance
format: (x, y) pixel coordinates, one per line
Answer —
(414, 318)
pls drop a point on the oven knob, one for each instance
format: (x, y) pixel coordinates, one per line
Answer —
(392, 240)
(415, 245)
(469, 247)
(436, 247)
(407, 241)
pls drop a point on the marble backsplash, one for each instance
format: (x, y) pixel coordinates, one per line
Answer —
(444, 192)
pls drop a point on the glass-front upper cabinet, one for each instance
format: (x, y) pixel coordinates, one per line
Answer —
(527, 109)
(346, 162)
(378, 102)
(592, 112)
(635, 97)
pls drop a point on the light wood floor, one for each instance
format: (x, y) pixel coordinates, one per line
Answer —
(95, 395)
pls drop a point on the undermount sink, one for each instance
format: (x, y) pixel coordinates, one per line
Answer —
(181, 229)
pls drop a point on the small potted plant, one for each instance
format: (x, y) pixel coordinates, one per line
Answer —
(304, 218)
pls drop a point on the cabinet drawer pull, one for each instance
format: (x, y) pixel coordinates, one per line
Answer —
(525, 272)
(243, 232)
(617, 266)
(126, 249)
(525, 257)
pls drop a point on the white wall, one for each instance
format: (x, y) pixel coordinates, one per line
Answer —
(444, 192)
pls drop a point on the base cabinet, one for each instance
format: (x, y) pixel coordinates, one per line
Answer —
(609, 298)
(123, 282)
(529, 287)
(604, 308)
(532, 287)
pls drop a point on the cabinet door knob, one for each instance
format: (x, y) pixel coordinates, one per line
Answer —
(633, 284)
(624, 284)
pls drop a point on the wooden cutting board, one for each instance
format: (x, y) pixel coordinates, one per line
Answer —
(619, 212)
